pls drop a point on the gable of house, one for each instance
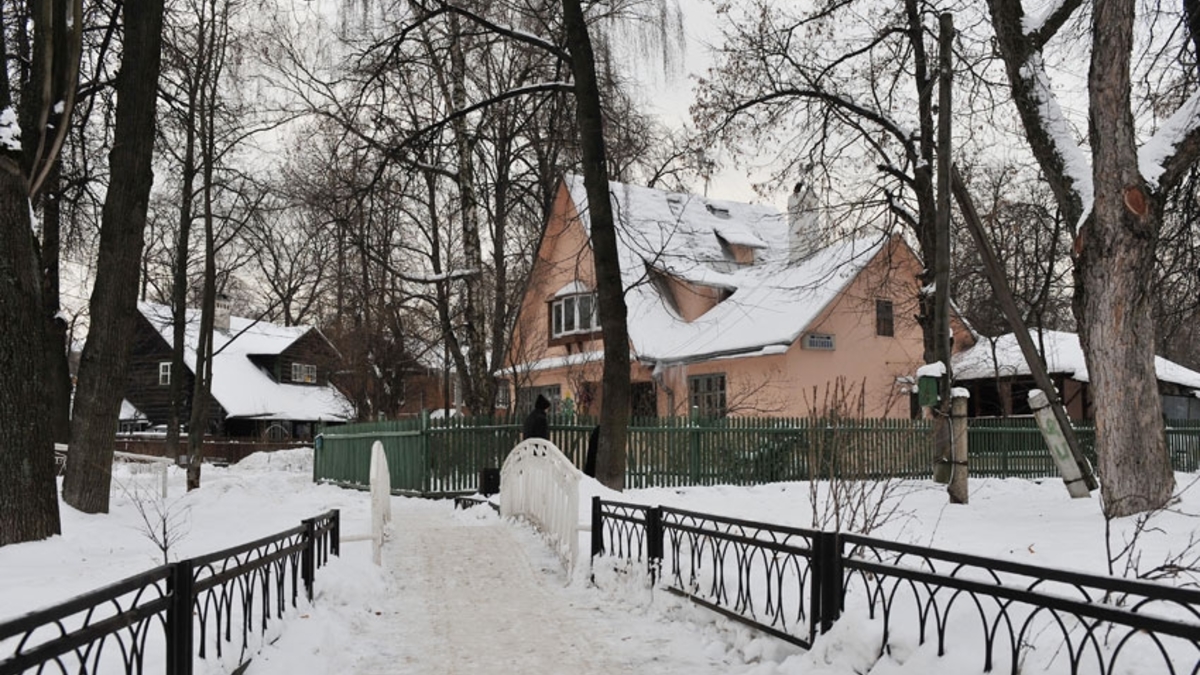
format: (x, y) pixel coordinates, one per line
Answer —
(151, 372)
(714, 296)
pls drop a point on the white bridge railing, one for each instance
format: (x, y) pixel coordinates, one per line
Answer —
(541, 485)
(381, 505)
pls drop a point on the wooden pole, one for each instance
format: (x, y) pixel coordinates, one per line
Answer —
(1004, 295)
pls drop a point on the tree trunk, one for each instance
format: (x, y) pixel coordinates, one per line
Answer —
(614, 410)
(477, 382)
(179, 281)
(114, 299)
(28, 494)
(202, 389)
(923, 182)
(58, 367)
(1114, 297)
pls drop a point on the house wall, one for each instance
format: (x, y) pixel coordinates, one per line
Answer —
(563, 257)
(797, 382)
(142, 389)
(693, 300)
(862, 367)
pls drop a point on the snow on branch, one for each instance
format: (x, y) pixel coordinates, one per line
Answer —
(508, 31)
(438, 278)
(1166, 145)
(1076, 167)
(1042, 26)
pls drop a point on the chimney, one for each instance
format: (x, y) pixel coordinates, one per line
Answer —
(221, 309)
(804, 235)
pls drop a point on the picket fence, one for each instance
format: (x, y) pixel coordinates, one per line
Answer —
(444, 457)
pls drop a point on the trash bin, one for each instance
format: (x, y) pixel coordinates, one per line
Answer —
(489, 481)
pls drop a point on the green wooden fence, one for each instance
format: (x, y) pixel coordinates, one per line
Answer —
(444, 457)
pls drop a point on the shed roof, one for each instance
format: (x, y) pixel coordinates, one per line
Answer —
(1063, 355)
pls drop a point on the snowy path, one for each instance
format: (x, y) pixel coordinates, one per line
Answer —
(468, 593)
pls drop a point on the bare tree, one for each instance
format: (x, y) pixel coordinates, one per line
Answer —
(1116, 202)
(854, 115)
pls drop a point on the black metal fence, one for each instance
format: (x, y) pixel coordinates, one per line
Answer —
(159, 620)
(794, 583)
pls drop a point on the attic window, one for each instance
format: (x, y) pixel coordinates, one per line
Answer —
(718, 211)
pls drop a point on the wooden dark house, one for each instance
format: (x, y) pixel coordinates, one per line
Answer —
(270, 382)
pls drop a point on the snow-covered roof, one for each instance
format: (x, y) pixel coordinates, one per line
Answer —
(129, 412)
(771, 301)
(243, 388)
(1063, 355)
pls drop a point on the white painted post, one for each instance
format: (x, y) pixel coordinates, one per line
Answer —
(381, 500)
(1060, 452)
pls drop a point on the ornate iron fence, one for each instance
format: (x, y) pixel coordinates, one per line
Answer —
(157, 621)
(793, 583)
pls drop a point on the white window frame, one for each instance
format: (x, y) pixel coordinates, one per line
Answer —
(565, 310)
(304, 373)
(164, 373)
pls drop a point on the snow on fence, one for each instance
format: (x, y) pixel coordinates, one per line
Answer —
(538, 483)
(381, 504)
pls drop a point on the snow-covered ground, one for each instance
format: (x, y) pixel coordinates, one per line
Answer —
(466, 592)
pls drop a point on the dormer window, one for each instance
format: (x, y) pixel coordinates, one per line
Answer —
(303, 373)
(573, 314)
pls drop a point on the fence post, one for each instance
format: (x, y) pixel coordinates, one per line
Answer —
(654, 541)
(826, 597)
(179, 619)
(307, 557)
(694, 446)
(335, 542)
(597, 527)
(426, 483)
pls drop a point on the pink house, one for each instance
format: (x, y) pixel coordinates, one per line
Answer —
(734, 309)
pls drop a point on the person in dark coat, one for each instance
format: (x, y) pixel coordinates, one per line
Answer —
(589, 461)
(536, 425)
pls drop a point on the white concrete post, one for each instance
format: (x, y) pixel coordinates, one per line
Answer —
(1060, 452)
